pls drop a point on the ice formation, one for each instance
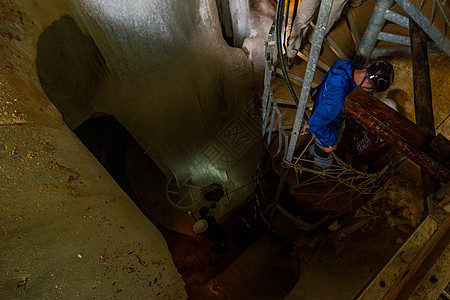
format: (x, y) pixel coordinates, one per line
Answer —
(171, 79)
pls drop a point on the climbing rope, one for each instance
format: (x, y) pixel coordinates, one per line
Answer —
(355, 182)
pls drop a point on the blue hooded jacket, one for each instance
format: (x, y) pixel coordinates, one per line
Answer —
(325, 120)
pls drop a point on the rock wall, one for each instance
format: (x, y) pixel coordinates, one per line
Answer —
(67, 229)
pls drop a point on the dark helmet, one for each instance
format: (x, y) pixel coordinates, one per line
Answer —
(381, 74)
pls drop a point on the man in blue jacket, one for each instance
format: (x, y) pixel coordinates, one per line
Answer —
(327, 116)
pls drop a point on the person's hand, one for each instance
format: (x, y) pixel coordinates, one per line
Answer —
(330, 148)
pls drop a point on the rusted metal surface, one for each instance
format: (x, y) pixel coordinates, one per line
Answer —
(399, 131)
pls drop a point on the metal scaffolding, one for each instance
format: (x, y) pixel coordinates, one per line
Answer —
(365, 50)
(319, 33)
(382, 13)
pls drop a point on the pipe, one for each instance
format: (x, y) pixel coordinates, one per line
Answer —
(396, 18)
(376, 23)
(394, 38)
(400, 51)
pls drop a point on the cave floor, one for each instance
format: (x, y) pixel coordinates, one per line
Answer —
(331, 265)
(341, 269)
(319, 267)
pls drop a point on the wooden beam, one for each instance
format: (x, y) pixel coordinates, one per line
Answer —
(396, 129)
(416, 270)
(421, 76)
(440, 148)
(422, 95)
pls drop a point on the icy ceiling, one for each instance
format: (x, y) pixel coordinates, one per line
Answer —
(164, 71)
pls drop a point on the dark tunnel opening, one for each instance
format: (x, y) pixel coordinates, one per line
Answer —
(108, 141)
(196, 258)
(125, 160)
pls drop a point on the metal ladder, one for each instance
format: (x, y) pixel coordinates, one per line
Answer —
(268, 102)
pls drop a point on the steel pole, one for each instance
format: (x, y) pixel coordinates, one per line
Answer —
(442, 42)
(397, 18)
(370, 36)
(270, 44)
(394, 38)
(319, 33)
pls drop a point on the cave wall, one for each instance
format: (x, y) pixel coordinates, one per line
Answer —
(173, 82)
(67, 229)
(165, 72)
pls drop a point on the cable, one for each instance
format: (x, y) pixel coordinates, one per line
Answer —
(240, 188)
(279, 25)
